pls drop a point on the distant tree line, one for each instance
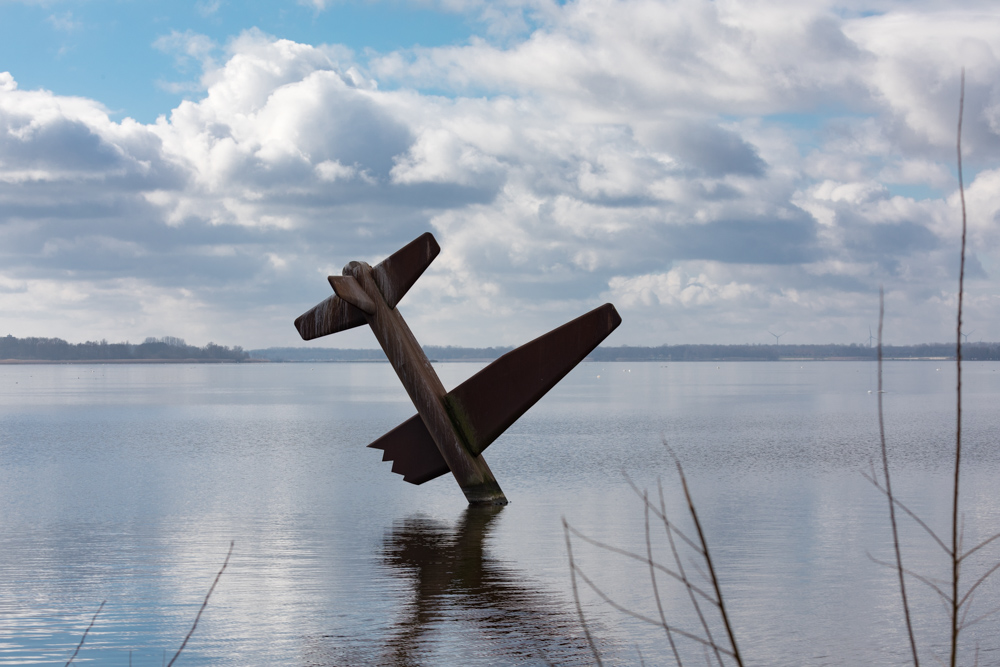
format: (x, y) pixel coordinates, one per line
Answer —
(166, 348)
(433, 352)
(970, 351)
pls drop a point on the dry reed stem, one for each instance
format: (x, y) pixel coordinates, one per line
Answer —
(888, 488)
(913, 515)
(955, 544)
(642, 559)
(656, 588)
(708, 561)
(576, 595)
(85, 632)
(708, 643)
(203, 605)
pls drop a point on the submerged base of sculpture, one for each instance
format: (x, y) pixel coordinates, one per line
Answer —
(451, 429)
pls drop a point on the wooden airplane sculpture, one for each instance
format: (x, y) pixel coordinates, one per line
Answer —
(451, 429)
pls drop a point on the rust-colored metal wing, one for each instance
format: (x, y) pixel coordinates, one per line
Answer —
(396, 274)
(328, 316)
(412, 451)
(482, 407)
(485, 405)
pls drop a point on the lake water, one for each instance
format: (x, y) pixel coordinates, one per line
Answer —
(127, 484)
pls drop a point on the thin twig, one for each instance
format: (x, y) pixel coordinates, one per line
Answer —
(913, 515)
(203, 605)
(662, 516)
(576, 594)
(928, 581)
(979, 546)
(981, 618)
(84, 637)
(888, 486)
(708, 561)
(956, 562)
(646, 619)
(680, 568)
(978, 582)
(656, 588)
(641, 559)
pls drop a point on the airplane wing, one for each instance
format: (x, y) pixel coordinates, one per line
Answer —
(394, 276)
(328, 316)
(485, 405)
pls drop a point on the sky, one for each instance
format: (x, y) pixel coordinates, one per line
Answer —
(720, 171)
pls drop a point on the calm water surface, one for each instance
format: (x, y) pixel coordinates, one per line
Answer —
(127, 484)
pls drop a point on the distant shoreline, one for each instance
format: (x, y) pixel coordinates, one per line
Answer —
(21, 362)
(79, 362)
(174, 351)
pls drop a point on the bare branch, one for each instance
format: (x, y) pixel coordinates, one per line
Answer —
(641, 559)
(687, 583)
(85, 632)
(955, 563)
(646, 619)
(979, 619)
(978, 547)
(661, 514)
(203, 605)
(656, 588)
(978, 582)
(920, 522)
(929, 582)
(708, 559)
(576, 595)
(888, 487)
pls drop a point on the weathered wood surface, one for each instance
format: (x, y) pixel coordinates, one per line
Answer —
(450, 430)
(426, 391)
(394, 275)
(485, 405)
(328, 316)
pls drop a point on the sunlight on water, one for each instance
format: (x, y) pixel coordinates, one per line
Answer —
(126, 484)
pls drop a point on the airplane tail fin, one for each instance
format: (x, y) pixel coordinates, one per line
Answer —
(412, 451)
(394, 276)
(485, 405)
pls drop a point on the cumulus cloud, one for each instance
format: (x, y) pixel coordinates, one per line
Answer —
(715, 168)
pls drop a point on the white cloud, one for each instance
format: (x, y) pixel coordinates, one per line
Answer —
(718, 167)
(65, 22)
(676, 288)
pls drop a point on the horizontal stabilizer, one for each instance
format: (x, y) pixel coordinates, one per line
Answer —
(329, 316)
(413, 452)
(396, 274)
(482, 407)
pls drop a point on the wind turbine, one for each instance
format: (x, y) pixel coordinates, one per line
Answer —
(967, 335)
(777, 337)
(870, 336)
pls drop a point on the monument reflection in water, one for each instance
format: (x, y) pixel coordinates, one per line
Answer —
(465, 606)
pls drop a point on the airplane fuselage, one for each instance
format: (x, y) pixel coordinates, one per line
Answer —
(420, 381)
